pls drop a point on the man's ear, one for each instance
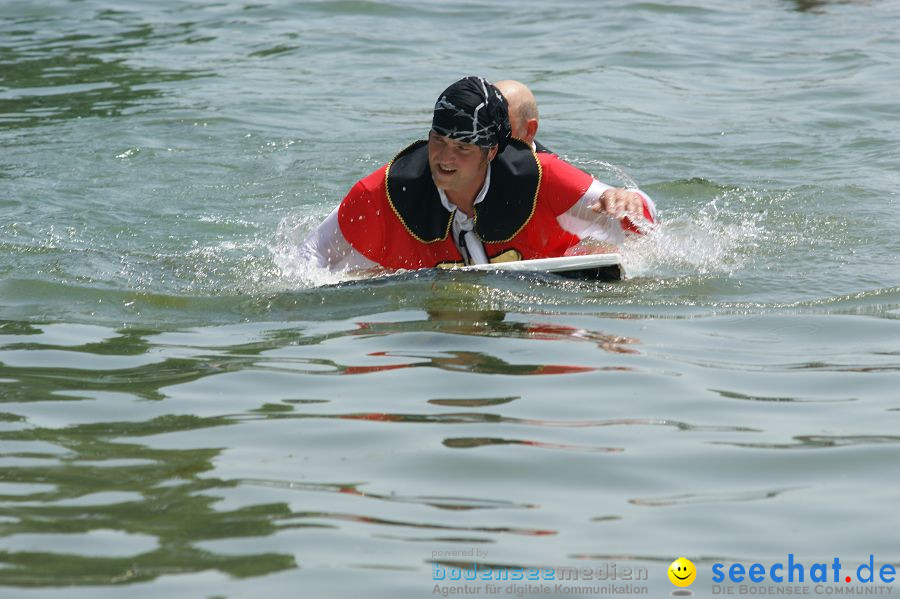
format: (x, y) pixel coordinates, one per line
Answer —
(492, 153)
(531, 128)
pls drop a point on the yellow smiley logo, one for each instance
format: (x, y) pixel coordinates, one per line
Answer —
(682, 572)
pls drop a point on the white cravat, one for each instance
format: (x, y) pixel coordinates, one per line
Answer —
(466, 239)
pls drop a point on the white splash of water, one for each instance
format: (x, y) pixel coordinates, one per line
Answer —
(717, 239)
(296, 267)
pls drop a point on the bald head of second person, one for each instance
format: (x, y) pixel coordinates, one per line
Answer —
(523, 110)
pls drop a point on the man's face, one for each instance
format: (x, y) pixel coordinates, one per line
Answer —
(456, 166)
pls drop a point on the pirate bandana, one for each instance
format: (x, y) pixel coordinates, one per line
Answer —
(472, 111)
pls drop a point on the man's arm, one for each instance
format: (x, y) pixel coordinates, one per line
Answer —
(587, 207)
(604, 212)
(326, 247)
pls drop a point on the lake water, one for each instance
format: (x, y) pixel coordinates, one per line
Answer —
(187, 411)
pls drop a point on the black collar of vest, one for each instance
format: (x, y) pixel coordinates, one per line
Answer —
(505, 210)
(512, 196)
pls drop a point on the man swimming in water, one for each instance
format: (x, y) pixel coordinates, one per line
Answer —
(471, 194)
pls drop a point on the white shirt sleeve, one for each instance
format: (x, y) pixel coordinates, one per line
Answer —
(326, 247)
(582, 221)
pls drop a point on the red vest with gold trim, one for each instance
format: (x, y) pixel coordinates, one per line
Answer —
(395, 217)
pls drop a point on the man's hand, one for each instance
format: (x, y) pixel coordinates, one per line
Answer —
(618, 202)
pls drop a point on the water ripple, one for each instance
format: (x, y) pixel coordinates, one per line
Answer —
(528, 532)
(821, 442)
(444, 503)
(692, 498)
(473, 442)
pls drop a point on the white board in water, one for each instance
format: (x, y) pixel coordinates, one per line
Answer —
(590, 266)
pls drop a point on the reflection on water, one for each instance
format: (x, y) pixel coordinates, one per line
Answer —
(468, 362)
(491, 323)
(816, 6)
(75, 75)
(825, 442)
(155, 493)
(41, 383)
(134, 453)
(102, 478)
(444, 503)
(691, 498)
(69, 485)
(744, 396)
(472, 403)
(470, 442)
